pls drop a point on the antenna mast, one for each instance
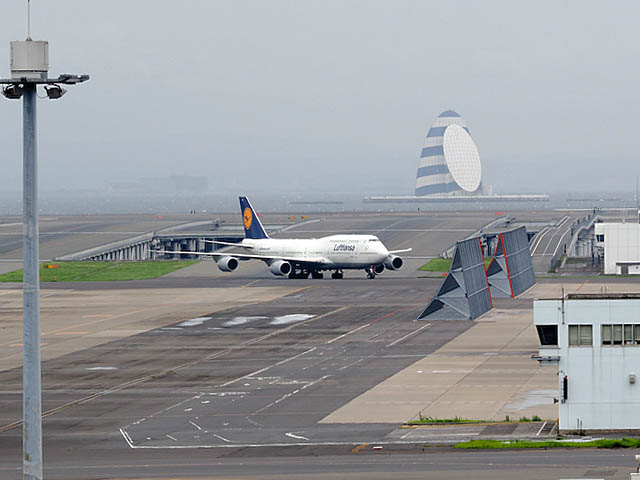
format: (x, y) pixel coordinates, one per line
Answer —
(28, 19)
(637, 202)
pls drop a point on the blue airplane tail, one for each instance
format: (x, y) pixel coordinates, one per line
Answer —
(252, 225)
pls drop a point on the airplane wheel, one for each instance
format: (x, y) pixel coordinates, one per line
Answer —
(371, 275)
(317, 275)
(336, 275)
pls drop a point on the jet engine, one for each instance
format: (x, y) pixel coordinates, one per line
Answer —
(227, 264)
(378, 269)
(280, 268)
(393, 262)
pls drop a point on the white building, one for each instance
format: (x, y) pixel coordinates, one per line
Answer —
(621, 243)
(595, 340)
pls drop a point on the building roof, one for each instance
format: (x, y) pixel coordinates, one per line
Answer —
(603, 296)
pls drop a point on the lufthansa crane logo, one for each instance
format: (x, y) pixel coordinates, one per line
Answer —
(247, 216)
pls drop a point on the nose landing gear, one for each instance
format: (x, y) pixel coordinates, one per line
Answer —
(371, 272)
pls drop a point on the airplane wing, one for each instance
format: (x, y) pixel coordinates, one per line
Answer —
(306, 260)
(400, 251)
(230, 244)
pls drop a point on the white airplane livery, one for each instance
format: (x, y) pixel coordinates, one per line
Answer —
(299, 258)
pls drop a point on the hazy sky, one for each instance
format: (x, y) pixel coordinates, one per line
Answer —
(302, 95)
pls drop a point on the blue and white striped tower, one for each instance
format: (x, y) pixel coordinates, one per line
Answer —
(451, 165)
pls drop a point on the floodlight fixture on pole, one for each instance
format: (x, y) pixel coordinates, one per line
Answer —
(30, 68)
(13, 92)
(55, 92)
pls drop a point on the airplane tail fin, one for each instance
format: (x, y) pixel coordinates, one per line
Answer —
(252, 225)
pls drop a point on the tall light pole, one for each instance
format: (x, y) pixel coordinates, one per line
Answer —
(29, 69)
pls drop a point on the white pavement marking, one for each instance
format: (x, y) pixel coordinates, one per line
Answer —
(290, 394)
(222, 438)
(254, 445)
(194, 322)
(257, 424)
(244, 344)
(291, 318)
(395, 342)
(351, 364)
(172, 438)
(560, 241)
(127, 438)
(257, 372)
(558, 229)
(195, 425)
(298, 437)
(348, 333)
(536, 241)
(539, 431)
(539, 239)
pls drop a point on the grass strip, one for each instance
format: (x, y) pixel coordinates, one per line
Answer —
(101, 271)
(459, 420)
(601, 443)
(444, 264)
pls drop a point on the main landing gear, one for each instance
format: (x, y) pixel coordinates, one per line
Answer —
(299, 274)
(316, 274)
(305, 274)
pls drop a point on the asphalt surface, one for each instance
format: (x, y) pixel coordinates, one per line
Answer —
(259, 375)
(240, 393)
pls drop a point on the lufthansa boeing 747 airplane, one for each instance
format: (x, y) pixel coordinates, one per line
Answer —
(299, 258)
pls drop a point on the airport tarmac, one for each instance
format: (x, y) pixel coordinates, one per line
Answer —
(428, 233)
(258, 380)
(203, 376)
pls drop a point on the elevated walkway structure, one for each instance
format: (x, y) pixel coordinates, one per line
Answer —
(189, 237)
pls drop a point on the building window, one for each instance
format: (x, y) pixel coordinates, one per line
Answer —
(617, 334)
(628, 335)
(599, 238)
(580, 335)
(548, 334)
(621, 334)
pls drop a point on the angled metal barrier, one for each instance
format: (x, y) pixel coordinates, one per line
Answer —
(510, 273)
(464, 293)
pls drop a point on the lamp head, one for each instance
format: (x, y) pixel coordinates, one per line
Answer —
(55, 91)
(13, 92)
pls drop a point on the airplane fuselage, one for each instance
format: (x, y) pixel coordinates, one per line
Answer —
(333, 252)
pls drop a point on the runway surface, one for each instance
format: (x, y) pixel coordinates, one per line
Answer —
(248, 386)
(240, 392)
